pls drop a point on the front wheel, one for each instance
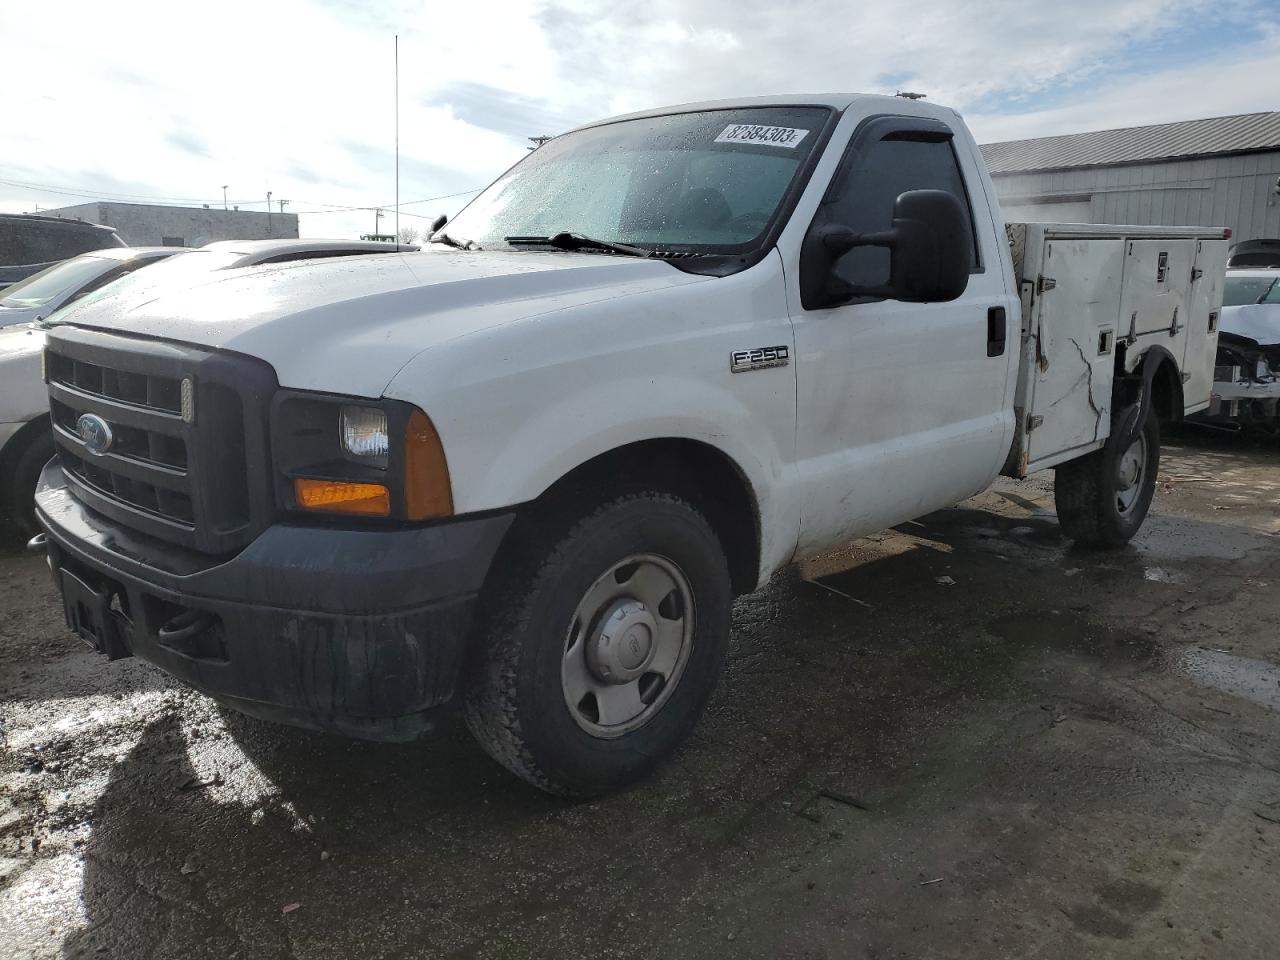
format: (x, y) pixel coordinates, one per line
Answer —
(20, 502)
(1103, 498)
(599, 643)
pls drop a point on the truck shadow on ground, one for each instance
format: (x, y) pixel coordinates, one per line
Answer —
(211, 829)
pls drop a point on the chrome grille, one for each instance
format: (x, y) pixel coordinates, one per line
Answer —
(184, 424)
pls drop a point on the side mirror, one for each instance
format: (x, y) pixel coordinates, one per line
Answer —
(930, 252)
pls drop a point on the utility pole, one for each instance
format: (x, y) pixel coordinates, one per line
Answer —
(397, 64)
(377, 219)
(268, 213)
(539, 141)
(282, 203)
(224, 196)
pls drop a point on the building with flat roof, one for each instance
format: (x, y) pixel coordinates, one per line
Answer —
(1219, 172)
(151, 224)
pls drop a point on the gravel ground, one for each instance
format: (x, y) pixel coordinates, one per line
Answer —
(959, 738)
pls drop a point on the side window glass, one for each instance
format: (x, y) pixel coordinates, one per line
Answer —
(109, 277)
(885, 170)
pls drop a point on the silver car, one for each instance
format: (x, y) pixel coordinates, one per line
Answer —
(42, 293)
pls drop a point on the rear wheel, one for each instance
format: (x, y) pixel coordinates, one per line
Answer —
(20, 504)
(600, 642)
(1103, 498)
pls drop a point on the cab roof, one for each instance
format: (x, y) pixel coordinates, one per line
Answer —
(835, 101)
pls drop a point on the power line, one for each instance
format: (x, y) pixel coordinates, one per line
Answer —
(336, 208)
(98, 194)
(447, 196)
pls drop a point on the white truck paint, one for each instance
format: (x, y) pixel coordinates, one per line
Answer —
(534, 363)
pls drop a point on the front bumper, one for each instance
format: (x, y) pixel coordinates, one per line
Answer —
(360, 632)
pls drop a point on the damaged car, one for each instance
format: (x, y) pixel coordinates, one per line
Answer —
(1246, 387)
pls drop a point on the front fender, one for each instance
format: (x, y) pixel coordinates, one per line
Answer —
(520, 406)
(585, 424)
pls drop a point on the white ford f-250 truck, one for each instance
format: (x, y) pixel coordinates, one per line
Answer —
(657, 360)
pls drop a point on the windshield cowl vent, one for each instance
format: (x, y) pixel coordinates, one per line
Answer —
(677, 254)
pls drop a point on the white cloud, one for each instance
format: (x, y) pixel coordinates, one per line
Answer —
(1244, 81)
(173, 100)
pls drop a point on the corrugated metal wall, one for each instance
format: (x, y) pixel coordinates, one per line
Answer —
(1239, 192)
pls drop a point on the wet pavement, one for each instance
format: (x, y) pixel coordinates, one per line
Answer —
(960, 738)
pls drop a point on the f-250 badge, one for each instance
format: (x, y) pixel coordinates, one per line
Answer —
(758, 359)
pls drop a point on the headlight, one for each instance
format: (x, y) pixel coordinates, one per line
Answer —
(364, 431)
(376, 458)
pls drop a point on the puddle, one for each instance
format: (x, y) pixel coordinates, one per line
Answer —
(1254, 680)
(1037, 538)
(1165, 538)
(1066, 630)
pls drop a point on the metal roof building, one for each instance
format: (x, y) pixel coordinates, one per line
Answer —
(1221, 172)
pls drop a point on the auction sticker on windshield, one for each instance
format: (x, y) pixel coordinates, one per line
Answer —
(788, 137)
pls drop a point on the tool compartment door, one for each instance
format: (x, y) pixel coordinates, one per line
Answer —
(1075, 329)
(1157, 275)
(1201, 350)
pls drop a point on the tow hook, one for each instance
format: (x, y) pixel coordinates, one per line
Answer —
(185, 627)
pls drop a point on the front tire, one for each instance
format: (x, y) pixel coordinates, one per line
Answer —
(20, 505)
(599, 643)
(1103, 498)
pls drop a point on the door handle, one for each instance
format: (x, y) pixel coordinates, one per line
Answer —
(996, 325)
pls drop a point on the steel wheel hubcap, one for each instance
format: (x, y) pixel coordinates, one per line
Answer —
(1132, 467)
(627, 645)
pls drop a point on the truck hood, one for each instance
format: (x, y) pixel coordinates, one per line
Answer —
(1257, 321)
(348, 325)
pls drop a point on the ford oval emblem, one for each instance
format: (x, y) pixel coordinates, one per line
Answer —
(95, 433)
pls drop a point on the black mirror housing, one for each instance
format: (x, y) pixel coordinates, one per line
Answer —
(933, 250)
(930, 246)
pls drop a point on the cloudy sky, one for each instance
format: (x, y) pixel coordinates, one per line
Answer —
(169, 101)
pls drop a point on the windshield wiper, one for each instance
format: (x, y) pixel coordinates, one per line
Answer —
(454, 242)
(576, 241)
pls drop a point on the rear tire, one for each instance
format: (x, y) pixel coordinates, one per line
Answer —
(599, 643)
(1103, 498)
(20, 504)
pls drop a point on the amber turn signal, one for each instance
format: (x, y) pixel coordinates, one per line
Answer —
(428, 493)
(339, 496)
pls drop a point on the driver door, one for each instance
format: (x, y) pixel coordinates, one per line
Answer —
(902, 406)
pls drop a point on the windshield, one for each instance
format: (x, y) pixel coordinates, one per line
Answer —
(40, 288)
(1242, 290)
(710, 182)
